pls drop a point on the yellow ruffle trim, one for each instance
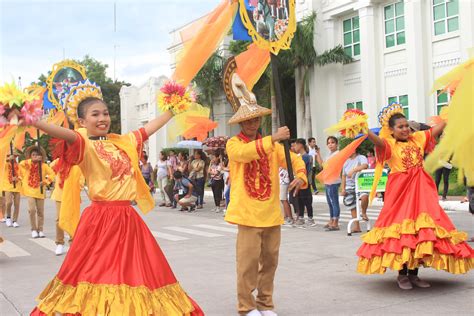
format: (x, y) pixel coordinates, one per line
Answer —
(106, 299)
(424, 254)
(411, 227)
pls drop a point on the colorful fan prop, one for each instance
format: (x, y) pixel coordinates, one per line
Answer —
(352, 123)
(18, 107)
(175, 97)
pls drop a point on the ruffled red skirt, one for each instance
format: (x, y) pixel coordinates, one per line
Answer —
(114, 267)
(413, 230)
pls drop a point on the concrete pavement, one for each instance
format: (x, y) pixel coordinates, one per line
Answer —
(316, 274)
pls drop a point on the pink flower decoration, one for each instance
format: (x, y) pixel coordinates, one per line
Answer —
(3, 121)
(172, 87)
(31, 112)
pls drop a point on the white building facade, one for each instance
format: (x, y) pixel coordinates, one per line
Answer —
(399, 48)
(137, 106)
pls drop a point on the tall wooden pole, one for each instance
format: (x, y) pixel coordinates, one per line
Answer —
(40, 169)
(279, 105)
(13, 164)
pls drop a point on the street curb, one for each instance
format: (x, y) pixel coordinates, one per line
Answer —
(446, 205)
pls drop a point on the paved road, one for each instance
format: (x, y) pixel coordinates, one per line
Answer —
(315, 275)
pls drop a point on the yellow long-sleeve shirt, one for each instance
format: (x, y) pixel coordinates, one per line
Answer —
(255, 182)
(30, 178)
(7, 183)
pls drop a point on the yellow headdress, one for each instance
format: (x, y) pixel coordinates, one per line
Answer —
(78, 93)
(385, 115)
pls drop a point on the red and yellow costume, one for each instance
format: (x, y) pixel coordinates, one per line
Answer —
(254, 170)
(412, 228)
(255, 208)
(30, 178)
(114, 265)
(11, 190)
(7, 184)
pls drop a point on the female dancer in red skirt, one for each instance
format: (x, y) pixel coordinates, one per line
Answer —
(412, 229)
(114, 266)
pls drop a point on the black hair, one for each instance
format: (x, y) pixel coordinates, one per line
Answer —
(165, 156)
(84, 104)
(35, 150)
(145, 156)
(201, 154)
(334, 138)
(177, 174)
(311, 139)
(301, 141)
(393, 119)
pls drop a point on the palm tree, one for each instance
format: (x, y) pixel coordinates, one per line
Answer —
(208, 80)
(303, 57)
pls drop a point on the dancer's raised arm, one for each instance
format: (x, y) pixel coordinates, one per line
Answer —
(154, 125)
(378, 142)
(57, 131)
(437, 130)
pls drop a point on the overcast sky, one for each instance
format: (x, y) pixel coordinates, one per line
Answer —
(35, 34)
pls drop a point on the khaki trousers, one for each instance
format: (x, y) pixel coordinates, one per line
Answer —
(2, 204)
(59, 231)
(13, 199)
(36, 210)
(257, 259)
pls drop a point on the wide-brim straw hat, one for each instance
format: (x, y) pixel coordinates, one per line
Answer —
(247, 112)
(32, 148)
(243, 112)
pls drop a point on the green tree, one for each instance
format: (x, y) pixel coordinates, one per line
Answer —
(209, 80)
(303, 57)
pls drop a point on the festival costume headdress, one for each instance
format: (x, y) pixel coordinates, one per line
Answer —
(242, 100)
(387, 112)
(82, 90)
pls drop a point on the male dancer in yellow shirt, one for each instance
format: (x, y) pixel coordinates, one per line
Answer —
(31, 186)
(255, 201)
(11, 187)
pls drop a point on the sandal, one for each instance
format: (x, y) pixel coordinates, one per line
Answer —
(332, 228)
(356, 231)
(365, 217)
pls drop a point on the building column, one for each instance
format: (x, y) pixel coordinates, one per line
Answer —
(418, 85)
(466, 29)
(333, 76)
(369, 64)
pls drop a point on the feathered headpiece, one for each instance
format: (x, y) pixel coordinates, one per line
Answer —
(387, 112)
(82, 90)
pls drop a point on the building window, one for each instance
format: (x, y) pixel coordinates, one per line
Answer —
(355, 105)
(403, 101)
(445, 16)
(351, 36)
(394, 15)
(442, 99)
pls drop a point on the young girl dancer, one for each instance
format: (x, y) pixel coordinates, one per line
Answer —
(412, 229)
(114, 265)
